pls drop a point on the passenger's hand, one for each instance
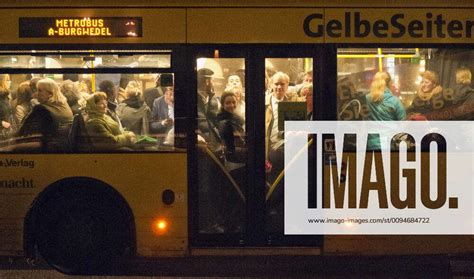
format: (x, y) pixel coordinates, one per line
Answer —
(200, 139)
(6, 125)
(167, 122)
(132, 136)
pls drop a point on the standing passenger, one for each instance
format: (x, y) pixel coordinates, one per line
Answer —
(234, 84)
(207, 106)
(230, 127)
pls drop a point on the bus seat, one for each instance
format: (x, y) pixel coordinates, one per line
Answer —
(79, 139)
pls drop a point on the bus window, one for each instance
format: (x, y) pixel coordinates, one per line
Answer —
(221, 145)
(288, 96)
(430, 84)
(60, 113)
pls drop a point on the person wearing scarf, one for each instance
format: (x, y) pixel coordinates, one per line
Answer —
(104, 131)
(429, 97)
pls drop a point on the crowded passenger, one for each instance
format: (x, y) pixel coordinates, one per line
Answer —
(230, 126)
(308, 95)
(234, 84)
(274, 145)
(51, 118)
(383, 106)
(23, 104)
(6, 113)
(69, 90)
(429, 96)
(307, 78)
(463, 89)
(163, 112)
(133, 111)
(151, 94)
(207, 107)
(109, 88)
(105, 132)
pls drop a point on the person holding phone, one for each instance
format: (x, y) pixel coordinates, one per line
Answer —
(163, 112)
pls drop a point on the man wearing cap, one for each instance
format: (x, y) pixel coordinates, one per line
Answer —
(207, 105)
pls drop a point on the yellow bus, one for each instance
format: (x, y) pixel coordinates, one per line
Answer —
(178, 74)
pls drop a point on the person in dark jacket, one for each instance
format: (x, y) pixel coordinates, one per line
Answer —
(6, 116)
(133, 112)
(51, 118)
(207, 108)
(464, 95)
(163, 112)
(230, 127)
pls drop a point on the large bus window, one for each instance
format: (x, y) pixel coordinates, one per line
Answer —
(221, 145)
(64, 113)
(288, 96)
(430, 84)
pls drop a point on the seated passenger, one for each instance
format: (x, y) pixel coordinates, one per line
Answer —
(70, 91)
(6, 114)
(51, 116)
(133, 112)
(105, 132)
(163, 112)
(230, 127)
(23, 103)
(464, 94)
(429, 97)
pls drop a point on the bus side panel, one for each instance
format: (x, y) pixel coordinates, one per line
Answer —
(139, 178)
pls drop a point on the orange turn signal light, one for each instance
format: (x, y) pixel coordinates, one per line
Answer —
(160, 226)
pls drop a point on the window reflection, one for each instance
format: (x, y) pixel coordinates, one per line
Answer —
(432, 84)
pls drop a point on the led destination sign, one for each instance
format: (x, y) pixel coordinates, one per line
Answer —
(43, 27)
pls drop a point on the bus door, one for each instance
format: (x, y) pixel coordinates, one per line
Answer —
(288, 95)
(239, 147)
(221, 153)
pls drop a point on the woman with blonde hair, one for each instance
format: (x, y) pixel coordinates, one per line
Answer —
(6, 116)
(383, 106)
(429, 96)
(51, 117)
(381, 102)
(133, 112)
(463, 88)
